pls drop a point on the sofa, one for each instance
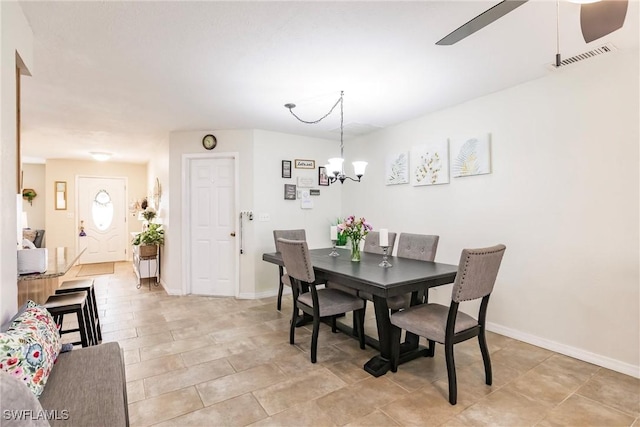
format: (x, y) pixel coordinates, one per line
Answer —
(84, 387)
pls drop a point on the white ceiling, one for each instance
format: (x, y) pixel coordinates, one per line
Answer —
(119, 76)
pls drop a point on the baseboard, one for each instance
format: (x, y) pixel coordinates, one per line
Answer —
(170, 291)
(577, 353)
(266, 294)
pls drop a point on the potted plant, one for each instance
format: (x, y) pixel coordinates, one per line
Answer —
(149, 240)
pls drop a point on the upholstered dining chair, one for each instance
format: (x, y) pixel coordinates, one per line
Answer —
(422, 247)
(299, 234)
(319, 303)
(475, 279)
(372, 243)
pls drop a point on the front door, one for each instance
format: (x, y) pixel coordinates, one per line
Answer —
(211, 213)
(102, 216)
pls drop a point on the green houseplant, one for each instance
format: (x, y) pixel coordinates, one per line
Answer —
(149, 240)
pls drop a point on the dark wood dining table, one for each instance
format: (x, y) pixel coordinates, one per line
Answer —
(405, 276)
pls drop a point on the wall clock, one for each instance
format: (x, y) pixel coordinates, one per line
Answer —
(209, 142)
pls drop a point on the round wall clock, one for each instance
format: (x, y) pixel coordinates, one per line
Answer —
(209, 142)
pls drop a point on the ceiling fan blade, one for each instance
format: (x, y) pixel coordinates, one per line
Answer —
(599, 19)
(480, 21)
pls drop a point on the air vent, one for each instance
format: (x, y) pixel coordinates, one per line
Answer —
(607, 48)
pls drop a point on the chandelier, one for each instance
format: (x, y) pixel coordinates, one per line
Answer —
(335, 167)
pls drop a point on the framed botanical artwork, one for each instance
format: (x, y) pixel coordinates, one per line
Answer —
(323, 178)
(286, 168)
(397, 168)
(471, 156)
(289, 192)
(430, 163)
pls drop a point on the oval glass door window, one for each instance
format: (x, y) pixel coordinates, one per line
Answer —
(102, 210)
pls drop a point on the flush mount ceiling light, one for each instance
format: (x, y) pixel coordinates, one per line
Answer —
(335, 165)
(100, 156)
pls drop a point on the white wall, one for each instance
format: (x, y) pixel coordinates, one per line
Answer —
(270, 149)
(180, 143)
(17, 37)
(563, 197)
(158, 167)
(34, 177)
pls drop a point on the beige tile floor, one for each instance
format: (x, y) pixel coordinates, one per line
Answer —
(199, 361)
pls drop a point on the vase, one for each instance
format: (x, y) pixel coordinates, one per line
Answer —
(355, 250)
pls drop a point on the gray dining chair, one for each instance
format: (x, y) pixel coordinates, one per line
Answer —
(421, 247)
(319, 303)
(477, 272)
(298, 234)
(372, 243)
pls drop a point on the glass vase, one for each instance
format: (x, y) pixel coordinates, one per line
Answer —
(355, 250)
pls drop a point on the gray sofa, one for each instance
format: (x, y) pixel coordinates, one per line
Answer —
(87, 387)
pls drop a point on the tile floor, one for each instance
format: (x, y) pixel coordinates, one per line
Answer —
(198, 361)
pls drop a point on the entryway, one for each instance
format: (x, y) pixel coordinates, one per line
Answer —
(102, 219)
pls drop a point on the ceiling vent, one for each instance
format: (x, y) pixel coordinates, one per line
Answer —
(606, 48)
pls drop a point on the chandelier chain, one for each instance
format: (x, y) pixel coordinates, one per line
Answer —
(313, 122)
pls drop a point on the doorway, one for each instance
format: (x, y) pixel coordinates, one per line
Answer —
(102, 219)
(210, 197)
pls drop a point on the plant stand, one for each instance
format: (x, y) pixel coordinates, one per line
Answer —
(146, 263)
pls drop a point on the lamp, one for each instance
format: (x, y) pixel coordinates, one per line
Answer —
(335, 166)
(99, 156)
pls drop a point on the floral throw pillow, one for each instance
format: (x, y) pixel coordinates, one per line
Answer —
(29, 348)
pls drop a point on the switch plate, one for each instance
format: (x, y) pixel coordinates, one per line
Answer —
(264, 217)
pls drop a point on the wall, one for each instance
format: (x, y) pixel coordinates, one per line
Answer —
(62, 225)
(563, 197)
(271, 148)
(34, 177)
(17, 38)
(181, 143)
(158, 167)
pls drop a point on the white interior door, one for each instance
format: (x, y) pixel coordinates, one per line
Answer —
(211, 212)
(102, 213)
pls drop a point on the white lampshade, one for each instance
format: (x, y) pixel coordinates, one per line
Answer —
(335, 165)
(359, 167)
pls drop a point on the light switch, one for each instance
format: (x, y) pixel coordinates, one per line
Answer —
(264, 217)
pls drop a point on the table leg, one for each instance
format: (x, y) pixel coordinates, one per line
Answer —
(379, 365)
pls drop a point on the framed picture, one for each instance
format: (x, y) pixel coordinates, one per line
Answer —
(305, 164)
(289, 192)
(430, 163)
(471, 156)
(397, 168)
(286, 168)
(323, 178)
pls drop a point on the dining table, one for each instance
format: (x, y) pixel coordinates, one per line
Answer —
(403, 277)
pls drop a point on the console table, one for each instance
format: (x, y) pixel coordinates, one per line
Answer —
(39, 286)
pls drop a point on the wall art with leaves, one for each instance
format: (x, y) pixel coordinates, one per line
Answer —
(430, 163)
(471, 155)
(397, 168)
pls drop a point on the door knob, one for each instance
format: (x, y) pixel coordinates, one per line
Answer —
(232, 234)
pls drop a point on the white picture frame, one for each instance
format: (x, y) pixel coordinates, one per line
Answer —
(471, 156)
(430, 163)
(397, 168)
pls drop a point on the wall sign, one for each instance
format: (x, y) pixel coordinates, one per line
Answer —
(305, 181)
(289, 192)
(286, 168)
(305, 164)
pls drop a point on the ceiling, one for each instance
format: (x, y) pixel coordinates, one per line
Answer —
(119, 76)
